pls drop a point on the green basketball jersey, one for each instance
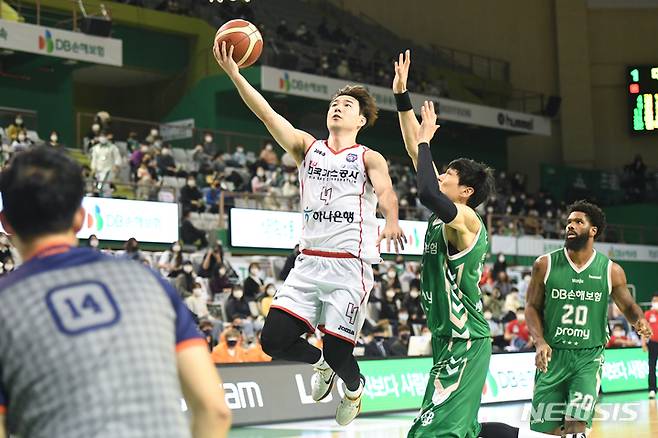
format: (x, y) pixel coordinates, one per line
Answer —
(576, 301)
(451, 296)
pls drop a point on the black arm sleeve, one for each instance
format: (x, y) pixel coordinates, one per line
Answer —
(428, 188)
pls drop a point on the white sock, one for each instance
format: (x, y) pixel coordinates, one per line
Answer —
(321, 362)
(354, 394)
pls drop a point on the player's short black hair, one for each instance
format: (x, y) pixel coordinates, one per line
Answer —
(41, 191)
(593, 212)
(477, 175)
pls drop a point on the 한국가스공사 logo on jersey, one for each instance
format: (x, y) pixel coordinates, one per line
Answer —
(351, 157)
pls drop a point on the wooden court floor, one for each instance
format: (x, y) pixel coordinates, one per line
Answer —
(636, 417)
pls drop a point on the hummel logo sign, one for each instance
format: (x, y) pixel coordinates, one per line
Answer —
(595, 277)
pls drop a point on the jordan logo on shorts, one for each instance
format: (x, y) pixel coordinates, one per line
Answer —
(352, 310)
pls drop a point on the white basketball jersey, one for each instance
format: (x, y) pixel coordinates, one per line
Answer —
(338, 202)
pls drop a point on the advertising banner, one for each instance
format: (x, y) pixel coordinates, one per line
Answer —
(261, 393)
(532, 246)
(177, 130)
(320, 87)
(60, 43)
(281, 391)
(625, 369)
(250, 228)
(121, 219)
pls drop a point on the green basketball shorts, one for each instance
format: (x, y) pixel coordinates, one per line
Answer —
(452, 398)
(568, 390)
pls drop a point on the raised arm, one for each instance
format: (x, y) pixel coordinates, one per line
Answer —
(377, 170)
(294, 141)
(459, 217)
(535, 309)
(624, 300)
(409, 124)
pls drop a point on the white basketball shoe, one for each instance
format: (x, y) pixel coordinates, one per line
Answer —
(350, 405)
(322, 381)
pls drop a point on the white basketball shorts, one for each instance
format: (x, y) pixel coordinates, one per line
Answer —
(328, 291)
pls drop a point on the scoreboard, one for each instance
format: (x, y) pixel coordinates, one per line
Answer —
(643, 98)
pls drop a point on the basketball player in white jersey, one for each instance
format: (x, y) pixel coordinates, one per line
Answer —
(341, 183)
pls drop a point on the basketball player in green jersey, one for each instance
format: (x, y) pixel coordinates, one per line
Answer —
(455, 248)
(567, 314)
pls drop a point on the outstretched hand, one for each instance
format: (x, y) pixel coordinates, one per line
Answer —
(224, 58)
(402, 72)
(393, 233)
(428, 126)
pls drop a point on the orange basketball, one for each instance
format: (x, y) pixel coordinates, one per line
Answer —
(246, 39)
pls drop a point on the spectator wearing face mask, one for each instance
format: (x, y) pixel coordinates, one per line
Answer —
(219, 281)
(229, 349)
(239, 158)
(255, 351)
(53, 142)
(651, 315)
(185, 281)
(400, 346)
(265, 300)
(389, 306)
(105, 161)
(166, 163)
(411, 304)
(379, 344)
(171, 259)
(517, 333)
(290, 186)
(191, 235)
(260, 183)
(93, 242)
(197, 302)
(15, 128)
(236, 305)
(209, 146)
(92, 136)
(253, 285)
(152, 136)
(619, 339)
(21, 142)
(191, 197)
(268, 157)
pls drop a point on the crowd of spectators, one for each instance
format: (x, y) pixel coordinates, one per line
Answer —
(197, 178)
(323, 48)
(230, 297)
